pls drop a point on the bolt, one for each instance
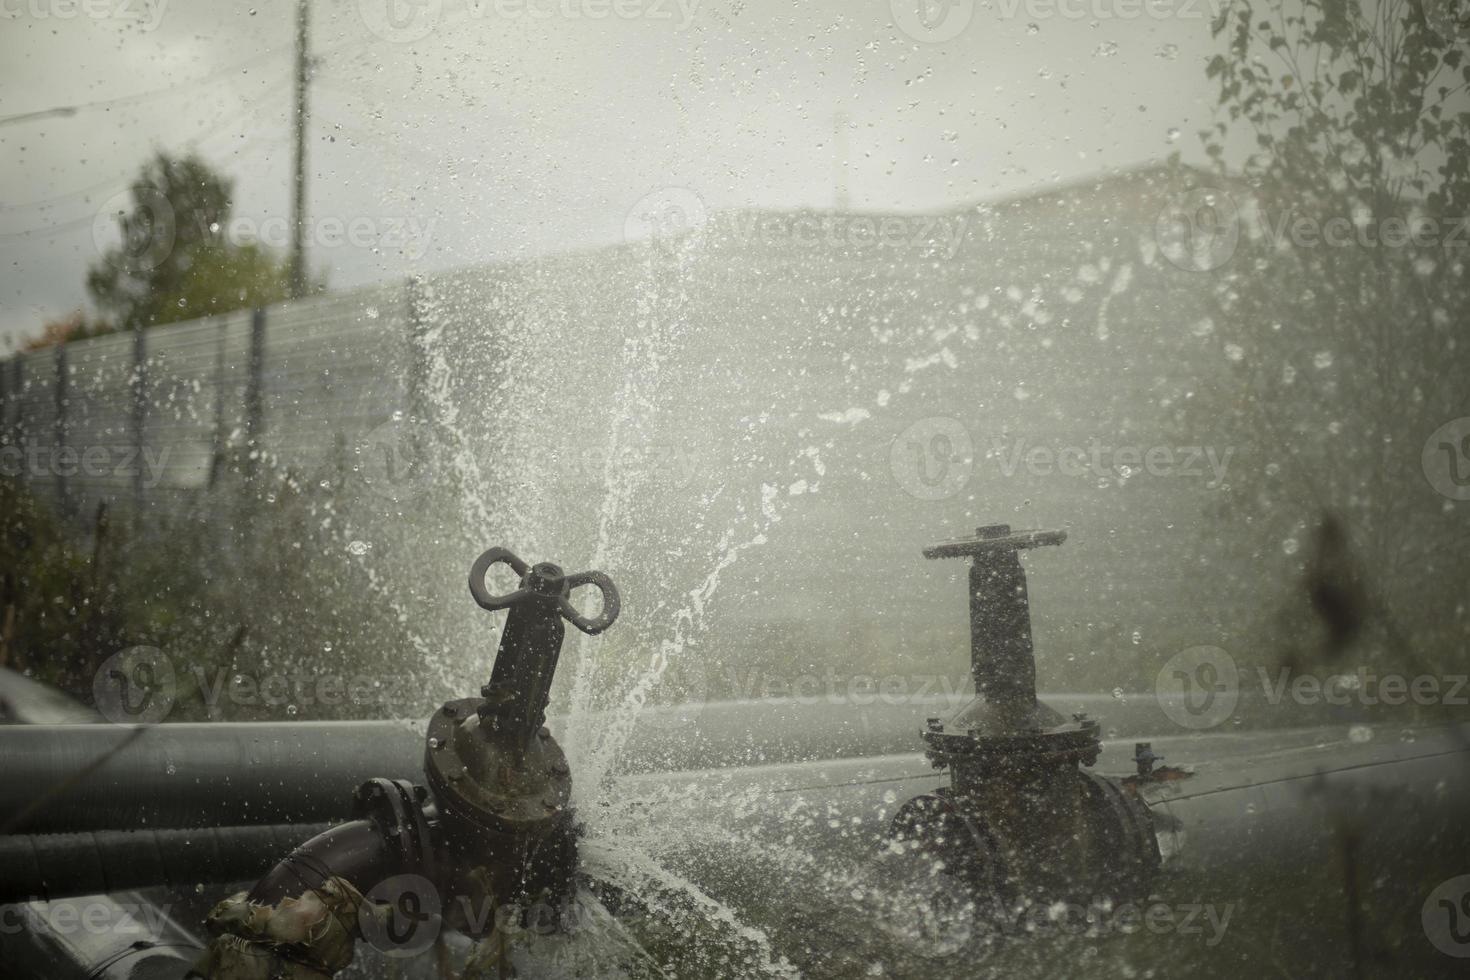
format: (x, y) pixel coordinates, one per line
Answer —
(450, 711)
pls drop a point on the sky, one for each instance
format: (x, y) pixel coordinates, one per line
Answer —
(445, 133)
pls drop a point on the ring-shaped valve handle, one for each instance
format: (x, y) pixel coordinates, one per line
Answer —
(496, 556)
(610, 602)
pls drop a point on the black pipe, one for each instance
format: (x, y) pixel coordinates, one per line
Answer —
(354, 851)
(52, 866)
(194, 775)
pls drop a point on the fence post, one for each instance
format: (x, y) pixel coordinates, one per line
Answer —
(139, 415)
(63, 494)
(254, 396)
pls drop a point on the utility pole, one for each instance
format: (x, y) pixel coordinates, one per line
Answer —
(298, 187)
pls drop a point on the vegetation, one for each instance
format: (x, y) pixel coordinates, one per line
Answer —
(1338, 310)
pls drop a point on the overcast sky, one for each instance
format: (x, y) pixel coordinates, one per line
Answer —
(462, 131)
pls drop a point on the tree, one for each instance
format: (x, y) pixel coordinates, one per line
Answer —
(176, 261)
(73, 326)
(1340, 307)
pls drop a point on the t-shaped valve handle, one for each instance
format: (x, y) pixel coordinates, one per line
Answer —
(530, 644)
(1001, 656)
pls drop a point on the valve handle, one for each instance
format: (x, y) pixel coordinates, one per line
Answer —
(496, 556)
(610, 602)
(547, 584)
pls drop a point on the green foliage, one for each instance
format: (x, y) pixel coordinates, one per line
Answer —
(250, 588)
(175, 262)
(1345, 357)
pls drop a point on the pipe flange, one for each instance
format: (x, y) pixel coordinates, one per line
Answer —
(492, 782)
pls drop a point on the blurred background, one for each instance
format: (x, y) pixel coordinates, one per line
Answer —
(743, 303)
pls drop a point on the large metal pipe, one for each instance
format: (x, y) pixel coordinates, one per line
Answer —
(71, 778)
(226, 774)
(52, 866)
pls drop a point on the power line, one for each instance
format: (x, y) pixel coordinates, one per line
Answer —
(71, 110)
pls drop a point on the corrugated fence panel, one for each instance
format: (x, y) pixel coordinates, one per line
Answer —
(182, 385)
(100, 399)
(333, 369)
(37, 401)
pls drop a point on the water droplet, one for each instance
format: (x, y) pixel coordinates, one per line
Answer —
(291, 710)
(1117, 694)
(1172, 134)
(1234, 352)
(1290, 546)
(1322, 360)
(1360, 734)
(1406, 735)
(359, 547)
